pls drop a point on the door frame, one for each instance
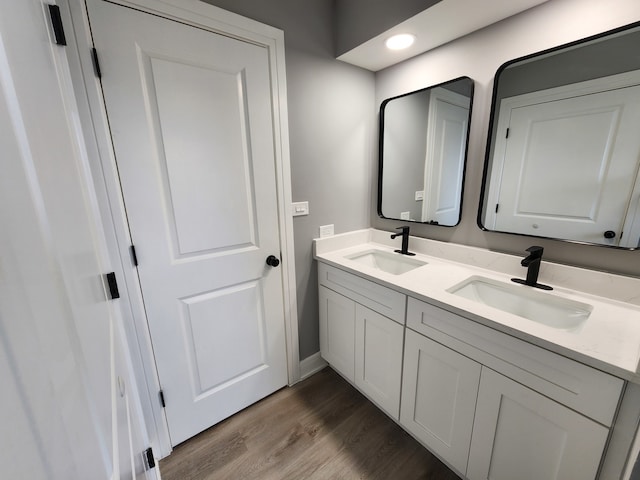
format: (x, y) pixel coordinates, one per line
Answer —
(110, 197)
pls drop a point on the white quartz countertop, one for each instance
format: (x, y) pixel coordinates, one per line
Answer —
(608, 340)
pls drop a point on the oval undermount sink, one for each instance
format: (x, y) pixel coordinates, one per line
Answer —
(388, 262)
(526, 302)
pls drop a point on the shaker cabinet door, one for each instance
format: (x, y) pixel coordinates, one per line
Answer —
(439, 390)
(337, 331)
(378, 350)
(518, 433)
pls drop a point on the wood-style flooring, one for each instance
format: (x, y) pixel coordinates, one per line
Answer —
(319, 429)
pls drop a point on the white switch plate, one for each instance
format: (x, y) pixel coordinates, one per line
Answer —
(419, 195)
(326, 230)
(405, 215)
(300, 208)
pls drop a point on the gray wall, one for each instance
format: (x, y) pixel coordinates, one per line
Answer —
(357, 21)
(332, 133)
(405, 152)
(479, 55)
(332, 124)
(593, 60)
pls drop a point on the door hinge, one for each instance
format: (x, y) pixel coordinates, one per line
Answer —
(96, 63)
(161, 396)
(56, 23)
(149, 459)
(113, 285)
(507, 135)
(134, 256)
(497, 207)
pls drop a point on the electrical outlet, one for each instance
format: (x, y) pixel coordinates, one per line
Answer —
(405, 215)
(300, 208)
(419, 195)
(326, 231)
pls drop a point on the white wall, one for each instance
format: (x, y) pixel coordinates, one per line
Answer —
(478, 56)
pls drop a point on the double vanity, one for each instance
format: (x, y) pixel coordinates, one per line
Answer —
(499, 380)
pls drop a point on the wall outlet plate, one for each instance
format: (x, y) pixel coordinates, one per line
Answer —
(299, 208)
(326, 230)
(405, 215)
(419, 195)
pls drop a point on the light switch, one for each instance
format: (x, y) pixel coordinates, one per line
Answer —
(419, 195)
(300, 208)
(326, 231)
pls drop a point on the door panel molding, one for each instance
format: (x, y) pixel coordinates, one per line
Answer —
(109, 195)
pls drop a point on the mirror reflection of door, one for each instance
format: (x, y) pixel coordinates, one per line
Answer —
(569, 167)
(444, 162)
(423, 143)
(566, 163)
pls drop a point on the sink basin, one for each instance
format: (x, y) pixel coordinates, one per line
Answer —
(393, 263)
(559, 313)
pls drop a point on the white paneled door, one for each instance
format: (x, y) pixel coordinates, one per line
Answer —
(592, 146)
(192, 126)
(446, 148)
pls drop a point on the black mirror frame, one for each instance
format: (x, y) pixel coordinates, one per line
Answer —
(381, 146)
(492, 120)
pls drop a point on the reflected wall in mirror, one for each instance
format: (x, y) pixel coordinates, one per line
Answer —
(423, 148)
(563, 154)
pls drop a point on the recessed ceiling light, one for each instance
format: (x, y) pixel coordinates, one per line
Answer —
(398, 42)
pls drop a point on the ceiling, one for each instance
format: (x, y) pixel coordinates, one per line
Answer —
(441, 23)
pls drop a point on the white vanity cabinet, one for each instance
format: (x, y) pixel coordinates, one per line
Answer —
(490, 405)
(542, 416)
(361, 334)
(521, 434)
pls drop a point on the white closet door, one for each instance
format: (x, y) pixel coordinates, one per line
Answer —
(191, 119)
(567, 170)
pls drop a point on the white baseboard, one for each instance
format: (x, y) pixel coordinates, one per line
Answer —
(311, 365)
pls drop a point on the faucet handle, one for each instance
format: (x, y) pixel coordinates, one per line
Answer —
(535, 250)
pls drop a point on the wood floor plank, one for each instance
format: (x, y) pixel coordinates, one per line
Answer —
(319, 429)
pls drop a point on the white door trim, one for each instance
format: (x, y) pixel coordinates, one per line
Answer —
(196, 13)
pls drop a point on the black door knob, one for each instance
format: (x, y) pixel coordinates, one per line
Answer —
(609, 234)
(273, 261)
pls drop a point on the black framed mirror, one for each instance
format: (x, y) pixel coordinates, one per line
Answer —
(563, 152)
(423, 150)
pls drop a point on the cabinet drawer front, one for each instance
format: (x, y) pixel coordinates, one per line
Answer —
(585, 389)
(378, 298)
(520, 434)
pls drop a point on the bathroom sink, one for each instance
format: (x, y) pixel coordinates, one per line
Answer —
(555, 312)
(393, 263)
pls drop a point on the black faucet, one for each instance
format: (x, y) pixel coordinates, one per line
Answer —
(532, 262)
(405, 240)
